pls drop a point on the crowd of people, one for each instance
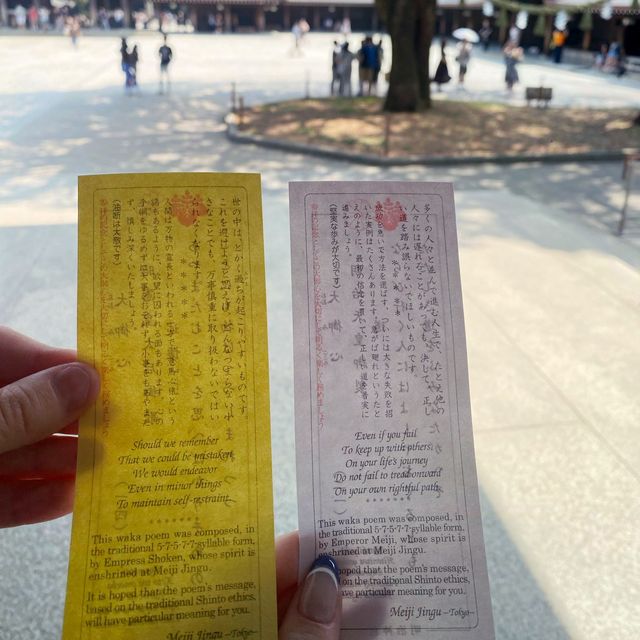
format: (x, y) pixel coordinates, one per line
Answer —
(512, 53)
(41, 18)
(129, 59)
(463, 58)
(369, 58)
(59, 18)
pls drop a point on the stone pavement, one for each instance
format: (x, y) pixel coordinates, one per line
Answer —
(551, 307)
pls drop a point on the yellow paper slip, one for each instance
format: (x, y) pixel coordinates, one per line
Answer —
(173, 520)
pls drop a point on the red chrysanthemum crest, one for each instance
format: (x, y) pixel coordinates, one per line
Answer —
(187, 208)
(389, 214)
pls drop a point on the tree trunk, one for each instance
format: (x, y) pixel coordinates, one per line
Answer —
(410, 24)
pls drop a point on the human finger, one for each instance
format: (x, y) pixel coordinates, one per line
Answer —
(287, 553)
(44, 402)
(316, 609)
(53, 457)
(30, 501)
(22, 356)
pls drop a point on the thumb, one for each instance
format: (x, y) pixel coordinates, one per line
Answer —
(316, 610)
(45, 402)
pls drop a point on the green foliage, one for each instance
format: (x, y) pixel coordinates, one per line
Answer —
(540, 27)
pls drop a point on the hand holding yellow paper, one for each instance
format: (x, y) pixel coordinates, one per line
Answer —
(173, 522)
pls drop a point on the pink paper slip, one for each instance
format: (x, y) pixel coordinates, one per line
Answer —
(386, 472)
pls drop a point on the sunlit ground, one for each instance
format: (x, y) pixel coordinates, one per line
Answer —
(551, 304)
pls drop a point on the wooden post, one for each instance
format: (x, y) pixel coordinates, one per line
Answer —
(387, 133)
(261, 20)
(240, 112)
(233, 97)
(126, 7)
(228, 27)
(307, 84)
(631, 156)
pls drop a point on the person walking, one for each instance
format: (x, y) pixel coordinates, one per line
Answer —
(345, 62)
(133, 68)
(367, 58)
(601, 58)
(512, 55)
(485, 34)
(558, 39)
(335, 76)
(166, 55)
(378, 67)
(621, 66)
(299, 30)
(44, 16)
(74, 30)
(463, 57)
(442, 71)
(124, 62)
(32, 15)
(20, 16)
(360, 58)
(297, 35)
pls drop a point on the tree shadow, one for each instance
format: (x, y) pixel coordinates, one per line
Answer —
(109, 132)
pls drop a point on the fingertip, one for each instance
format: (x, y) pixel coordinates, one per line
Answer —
(321, 591)
(287, 551)
(316, 610)
(76, 385)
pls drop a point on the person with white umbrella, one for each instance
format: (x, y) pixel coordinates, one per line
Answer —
(466, 36)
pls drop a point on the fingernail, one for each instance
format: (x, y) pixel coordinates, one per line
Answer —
(319, 598)
(73, 383)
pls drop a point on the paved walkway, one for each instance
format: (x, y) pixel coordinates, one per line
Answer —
(551, 304)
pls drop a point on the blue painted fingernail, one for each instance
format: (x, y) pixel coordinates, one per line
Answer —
(325, 561)
(320, 592)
